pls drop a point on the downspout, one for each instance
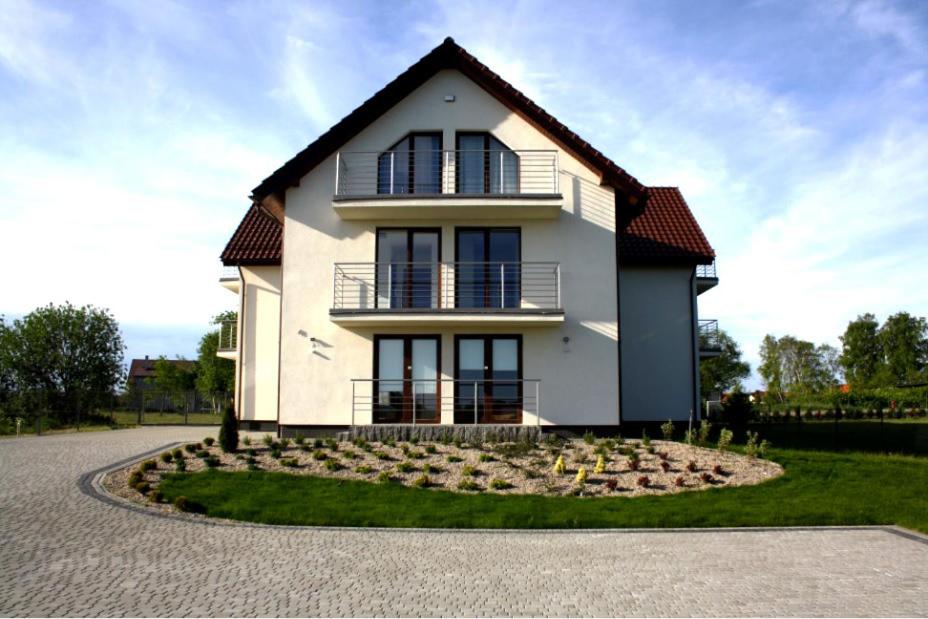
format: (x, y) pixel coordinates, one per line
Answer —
(618, 318)
(240, 356)
(694, 349)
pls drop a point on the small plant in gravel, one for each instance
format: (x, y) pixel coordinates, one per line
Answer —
(318, 443)
(208, 441)
(611, 485)
(762, 448)
(469, 485)
(349, 454)
(167, 457)
(268, 440)
(299, 439)
(581, 457)
(251, 452)
(600, 467)
(667, 429)
(320, 455)
(601, 450)
(275, 453)
(559, 466)
(142, 486)
(619, 440)
(405, 467)
(251, 460)
(725, 437)
(430, 469)
(706, 477)
(458, 443)
(531, 473)
(689, 437)
(332, 465)
(484, 457)
(390, 442)
(134, 478)
(180, 465)
(663, 455)
(384, 478)
(382, 455)
(589, 438)
(454, 459)
(211, 462)
(306, 448)
(634, 461)
(750, 446)
(691, 466)
(500, 484)
(360, 442)
(717, 470)
(705, 429)
(246, 441)
(650, 449)
(581, 476)
(422, 481)
(444, 438)
(665, 466)
(643, 481)
(645, 439)
(608, 444)
(177, 453)
(228, 430)
(431, 449)
(147, 465)
(284, 443)
(469, 471)
(363, 469)
(416, 455)
(202, 453)
(331, 444)
(679, 482)
(156, 496)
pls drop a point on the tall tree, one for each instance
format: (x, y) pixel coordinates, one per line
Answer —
(214, 374)
(904, 339)
(724, 372)
(793, 366)
(64, 360)
(173, 377)
(6, 370)
(862, 351)
(771, 367)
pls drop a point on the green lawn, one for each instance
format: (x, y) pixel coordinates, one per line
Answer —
(819, 488)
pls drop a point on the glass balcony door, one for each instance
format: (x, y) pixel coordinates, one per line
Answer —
(488, 273)
(412, 165)
(485, 165)
(407, 271)
(406, 379)
(488, 369)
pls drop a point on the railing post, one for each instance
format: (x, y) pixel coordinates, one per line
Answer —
(501, 172)
(413, 402)
(392, 157)
(353, 401)
(475, 402)
(390, 285)
(538, 404)
(557, 178)
(557, 284)
(338, 165)
(502, 284)
(446, 174)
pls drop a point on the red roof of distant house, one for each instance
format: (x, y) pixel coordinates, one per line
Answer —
(145, 368)
(257, 240)
(665, 232)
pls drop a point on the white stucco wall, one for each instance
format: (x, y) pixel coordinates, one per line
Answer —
(657, 343)
(260, 336)
(579, 380)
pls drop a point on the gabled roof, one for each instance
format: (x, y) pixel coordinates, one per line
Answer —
(449, 55)
(145, 368)
(256, 241)
(665, 232)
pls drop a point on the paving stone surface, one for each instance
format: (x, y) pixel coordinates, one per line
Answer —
(63, 552)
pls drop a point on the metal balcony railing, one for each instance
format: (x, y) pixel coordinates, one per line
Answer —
(228, 336)
(377, 286)
(471, 402)
(706, 271)
(709, 335)
(228, 273)
(454, 172)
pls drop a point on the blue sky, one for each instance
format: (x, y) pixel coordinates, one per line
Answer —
(131, 134)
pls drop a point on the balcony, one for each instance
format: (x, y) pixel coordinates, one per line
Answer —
(447, 184)
(442, 293)
(228, 340)
(709, 343)
(230, 279)
(706, 277)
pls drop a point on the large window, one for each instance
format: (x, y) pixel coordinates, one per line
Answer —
(488, 369)
(412, 165)
(488, 270)
(485, 165)
(407, 267)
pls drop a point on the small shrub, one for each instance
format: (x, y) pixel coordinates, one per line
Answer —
(382, 455)
(552, 440)
(405, 449)
(445, 438)
(500, 484)
(414, 439)
(275, 453)
(202, 454)
(332, 465)
(142, 486)
(208, 441)
(665, 466)
(228, 431)
(706, 477)
(612, 485)
(251, 452)
(198, 446)
(619, 441)
(350, 455)
(750, 446)
(299, 439)
(600, 467)
(457, 443)
(364, 469)
(177, 453)
(332, 444)
(486, 458)
(454, 459)
(559, 467)
(180, 465)
(691, 466)
(643, 481)
(320, 455)
(290, 463)
(211, 462)
(725, 436)
(705, 428)
(156, 496)
(468, 484)
(147, 465)
(689, 437)
(384, 478)
(581, 476)
(184, 504)
(531, 473)
(679, 482)
(645, 439)
(390, 442)
(167, 457)
(253, 465)
(305, 448)
(422, 481)
(633, 464)
(246, 441)
(318, 443)
(430, 449)
(267, 439)
(430, 469)
(717, 469)
(469, 471)
(650, 449)
(134, 478)
(589, 438)
(762, 448)
(667, 430)
(663, 455)
(601, 450)
(581, 457)
(405, 467)
(360, 442)
(416, 455)
(284, 443)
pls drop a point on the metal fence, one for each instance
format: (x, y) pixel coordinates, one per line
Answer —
(447, 285)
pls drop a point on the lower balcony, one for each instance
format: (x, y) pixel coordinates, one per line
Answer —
(228, 340)
(709, 343)
(446, 293)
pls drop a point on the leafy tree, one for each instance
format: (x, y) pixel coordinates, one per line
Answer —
(6, 370)
(214, 374)
(771, 367)
(174, 377)
(793, 366)
(63, 360)
(862, 351)
(904, 339)
(724, 372)
(228, 432)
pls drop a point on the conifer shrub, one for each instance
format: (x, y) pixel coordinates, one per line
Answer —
(228, 431)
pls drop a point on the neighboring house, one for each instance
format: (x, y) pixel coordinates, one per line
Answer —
(450, 253)
(141, 378)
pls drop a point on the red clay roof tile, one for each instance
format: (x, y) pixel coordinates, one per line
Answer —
(257, 240)
(665, 232)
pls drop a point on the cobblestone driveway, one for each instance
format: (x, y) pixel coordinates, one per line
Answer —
(65, 553)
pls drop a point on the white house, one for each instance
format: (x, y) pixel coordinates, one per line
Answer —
(450, 253)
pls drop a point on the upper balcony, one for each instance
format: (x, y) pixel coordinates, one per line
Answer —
(230, 279)
(447, 184)
(228, 340)
(443, 293)
(709, 343)
(706, 277)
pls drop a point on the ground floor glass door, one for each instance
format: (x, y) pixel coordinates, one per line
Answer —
(488, 373)
(406, 374)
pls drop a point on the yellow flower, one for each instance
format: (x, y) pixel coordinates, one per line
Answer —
(559, 467)
(600, 467)
(581, 476)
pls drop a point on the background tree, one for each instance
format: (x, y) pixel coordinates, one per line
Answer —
(904, 339)
(172, 377)
(215, 375)
(724, 372)
(63, 360)
(797, 367)
(770, 369)
(6, 371)
(862, 352)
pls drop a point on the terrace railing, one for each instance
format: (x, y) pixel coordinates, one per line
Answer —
(709, 335)
(228, 336)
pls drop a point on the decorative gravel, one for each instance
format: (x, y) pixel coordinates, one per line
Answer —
(520, 469)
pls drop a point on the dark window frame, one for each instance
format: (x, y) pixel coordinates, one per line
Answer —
(409, 235)
(463, 415)
(409, 138)
(486, 161)
(486, 258)
(406, 411)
